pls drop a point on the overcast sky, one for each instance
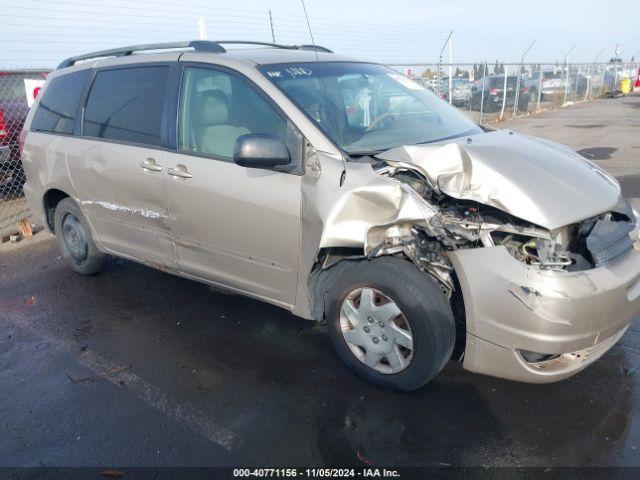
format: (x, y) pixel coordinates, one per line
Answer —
(42, 32)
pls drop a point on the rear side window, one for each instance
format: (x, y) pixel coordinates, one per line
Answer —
(126, 104)
(57, 108)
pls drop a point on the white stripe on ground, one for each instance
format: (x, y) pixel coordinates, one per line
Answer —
(158, 399)
(155, 397)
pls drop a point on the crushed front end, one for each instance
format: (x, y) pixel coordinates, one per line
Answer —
(539, 303)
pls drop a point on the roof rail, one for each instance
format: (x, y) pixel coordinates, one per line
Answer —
(197, 45)
(274, 45)
(313, 48)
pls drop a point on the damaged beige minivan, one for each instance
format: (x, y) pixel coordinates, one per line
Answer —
(343, 192)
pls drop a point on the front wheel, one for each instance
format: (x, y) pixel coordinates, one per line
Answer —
(390, 323)
(75, 241)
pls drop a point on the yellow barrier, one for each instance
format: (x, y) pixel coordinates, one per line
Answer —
(625, 85)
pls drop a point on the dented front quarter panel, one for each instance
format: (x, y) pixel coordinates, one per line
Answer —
(366, 200)
(340, 205)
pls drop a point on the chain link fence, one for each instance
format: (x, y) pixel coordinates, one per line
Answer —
(487, 92)
(17, 91)
(491, 92)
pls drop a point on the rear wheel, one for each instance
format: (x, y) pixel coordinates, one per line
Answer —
(390, 323)
(75, 241)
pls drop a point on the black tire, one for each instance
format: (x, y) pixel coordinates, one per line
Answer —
(423, 303)
(75, 240)
(488, 107)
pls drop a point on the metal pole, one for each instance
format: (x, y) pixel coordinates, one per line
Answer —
(569, 52)
(482, 93)
(566, 83)
(539, 89)
(440, 62)
(202, 28)
(575, 90)
(587, 90)
(595, 69)
(517, 99)
(596, 57)
(450, 68)
(504, 91)
(613, 80)
(273, 35)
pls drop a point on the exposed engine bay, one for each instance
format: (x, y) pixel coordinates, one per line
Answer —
(453, 224)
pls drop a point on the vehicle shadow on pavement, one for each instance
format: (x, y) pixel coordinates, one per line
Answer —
(598, 153)
(630, 185)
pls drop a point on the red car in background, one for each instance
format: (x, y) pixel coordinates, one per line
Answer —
(17, 89)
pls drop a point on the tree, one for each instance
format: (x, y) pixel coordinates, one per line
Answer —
(428, 73)
(496, 69)
(501, 69)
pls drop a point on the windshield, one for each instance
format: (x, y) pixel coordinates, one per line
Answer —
(366, 108)
(460, 82)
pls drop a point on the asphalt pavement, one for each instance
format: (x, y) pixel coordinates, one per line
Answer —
(135, 367)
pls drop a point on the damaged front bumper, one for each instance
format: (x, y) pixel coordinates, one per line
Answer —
(539, 326)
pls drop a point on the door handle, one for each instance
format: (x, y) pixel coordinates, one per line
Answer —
(151, 165)
(180, 171)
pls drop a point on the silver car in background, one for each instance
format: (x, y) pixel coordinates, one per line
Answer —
(552, 84)
(460, 91)
(343, 192)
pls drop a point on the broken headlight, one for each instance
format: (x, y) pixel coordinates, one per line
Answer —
(539, 252)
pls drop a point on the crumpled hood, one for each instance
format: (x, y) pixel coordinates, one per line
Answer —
(538, 181)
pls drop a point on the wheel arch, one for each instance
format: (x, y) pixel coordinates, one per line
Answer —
(50, 201)
(331, 262)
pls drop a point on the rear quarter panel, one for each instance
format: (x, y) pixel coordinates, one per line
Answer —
(44, 160)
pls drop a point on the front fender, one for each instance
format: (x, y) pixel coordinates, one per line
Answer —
(339, 209)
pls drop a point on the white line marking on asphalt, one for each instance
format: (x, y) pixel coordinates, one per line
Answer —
(158, 399)
(152, 395)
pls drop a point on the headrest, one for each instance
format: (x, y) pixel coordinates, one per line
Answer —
(211, 108)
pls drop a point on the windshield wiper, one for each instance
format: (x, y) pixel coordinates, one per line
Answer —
(450, 137)
(366, 153)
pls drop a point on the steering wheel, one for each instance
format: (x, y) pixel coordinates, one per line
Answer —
(377, 121)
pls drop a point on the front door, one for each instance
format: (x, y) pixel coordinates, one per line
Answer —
(235, 226)
(118, 166)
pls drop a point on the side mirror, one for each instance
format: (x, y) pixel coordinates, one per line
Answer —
(260, 150)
